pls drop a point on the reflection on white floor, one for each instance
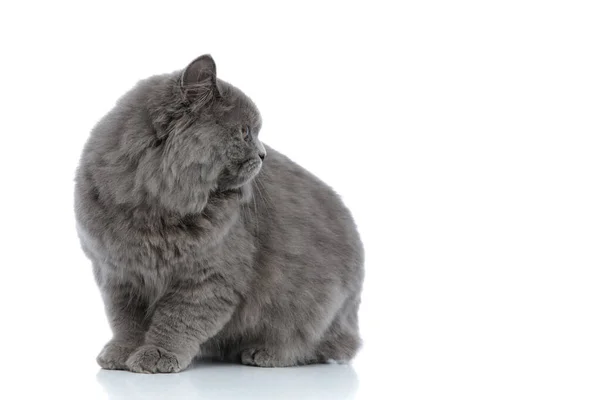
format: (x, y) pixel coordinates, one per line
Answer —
(213, 380)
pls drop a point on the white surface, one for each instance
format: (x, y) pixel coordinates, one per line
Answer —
(465, 137)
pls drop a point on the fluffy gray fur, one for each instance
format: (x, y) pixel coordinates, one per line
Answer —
(202, 248)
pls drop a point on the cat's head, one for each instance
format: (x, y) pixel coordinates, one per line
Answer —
(205, 139)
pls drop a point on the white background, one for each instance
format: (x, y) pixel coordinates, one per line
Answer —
(464, 135)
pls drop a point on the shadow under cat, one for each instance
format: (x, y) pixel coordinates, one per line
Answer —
(218, 380)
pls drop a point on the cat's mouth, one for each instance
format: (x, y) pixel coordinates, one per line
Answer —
(241, 173)
(250, 166)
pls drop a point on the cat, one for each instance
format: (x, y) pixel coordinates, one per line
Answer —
(205, 242)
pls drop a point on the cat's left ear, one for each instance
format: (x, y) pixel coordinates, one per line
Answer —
(199, 80)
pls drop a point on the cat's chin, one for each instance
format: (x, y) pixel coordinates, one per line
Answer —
(252, 174)
(239, 185)
(243, 192)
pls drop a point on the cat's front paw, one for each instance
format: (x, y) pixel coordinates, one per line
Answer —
(150, 359)
(115, 354)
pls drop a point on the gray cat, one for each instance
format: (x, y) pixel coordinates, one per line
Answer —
(205, 242)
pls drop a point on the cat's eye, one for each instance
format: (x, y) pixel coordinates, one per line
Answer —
(245, 132)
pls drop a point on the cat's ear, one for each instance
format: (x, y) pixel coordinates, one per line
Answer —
(199, 80)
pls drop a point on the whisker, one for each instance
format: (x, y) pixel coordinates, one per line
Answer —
(264, 197)
(255, 213)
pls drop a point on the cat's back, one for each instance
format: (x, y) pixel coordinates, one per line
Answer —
(301, 216)
(298, 190)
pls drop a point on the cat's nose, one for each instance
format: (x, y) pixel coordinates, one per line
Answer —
(262, 155)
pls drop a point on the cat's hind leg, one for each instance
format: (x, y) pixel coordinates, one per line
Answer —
(338, 346)
(341, 341)
(276, 357)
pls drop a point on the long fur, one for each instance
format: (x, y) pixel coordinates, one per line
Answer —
(201, 248)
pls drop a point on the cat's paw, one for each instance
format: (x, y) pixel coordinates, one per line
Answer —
(114, 355)
(264, 358)
(150, 359)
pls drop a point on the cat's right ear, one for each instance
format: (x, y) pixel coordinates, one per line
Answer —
(199, 80)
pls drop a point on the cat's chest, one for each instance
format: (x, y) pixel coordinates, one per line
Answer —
(151, 261)
(151, 250)
(145, 256)
(151, 257)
